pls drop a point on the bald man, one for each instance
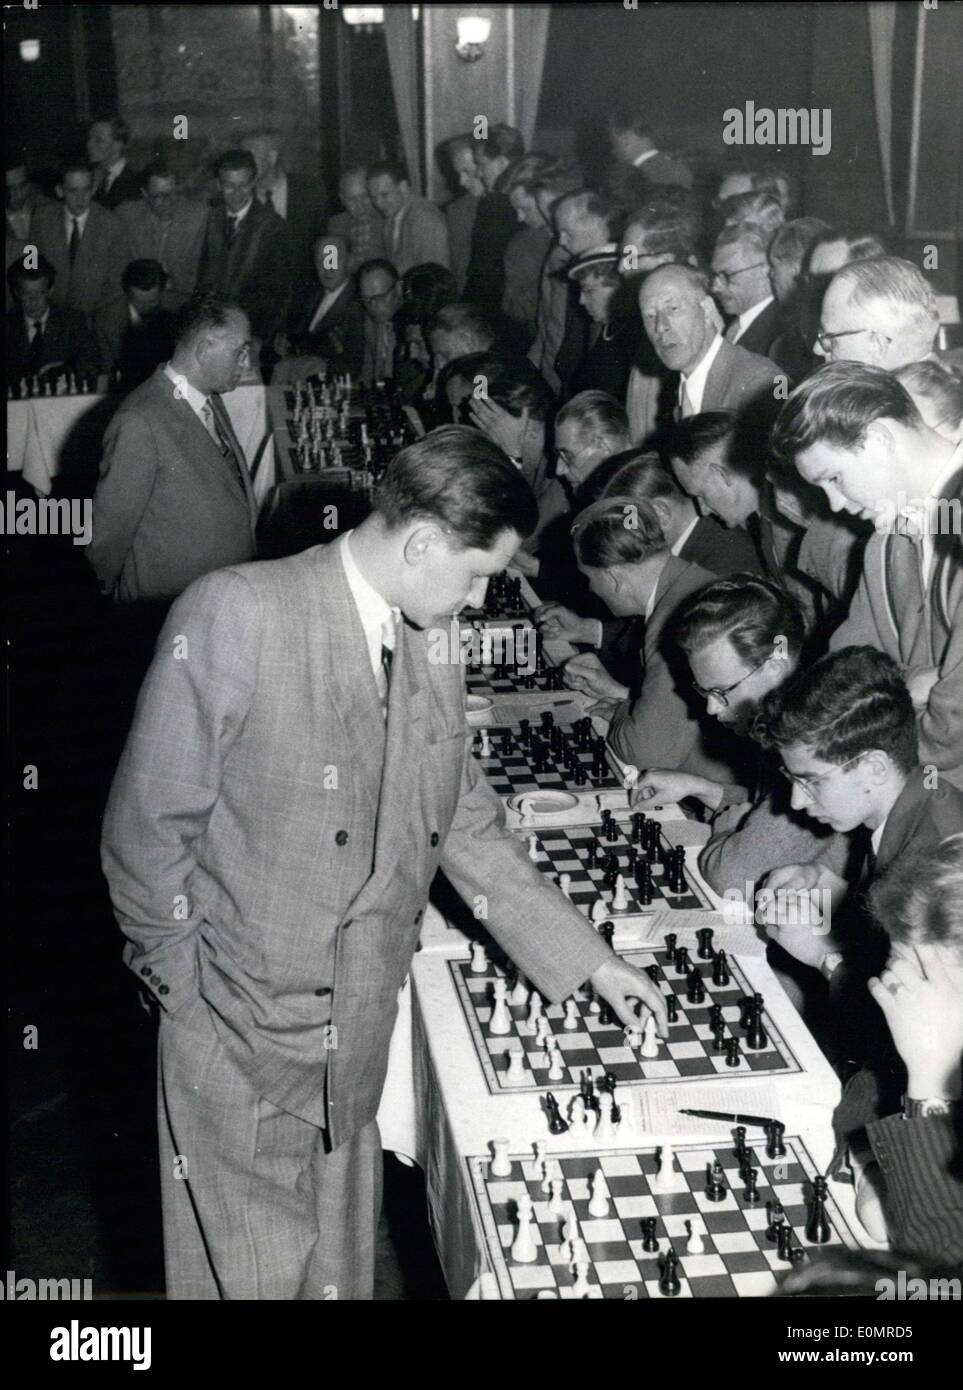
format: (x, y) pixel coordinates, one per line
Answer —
(360, 222)
(881, 312)
(330, 323)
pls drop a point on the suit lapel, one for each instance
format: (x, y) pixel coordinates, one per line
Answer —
(719, 379)
(202, 447)
(224, 420)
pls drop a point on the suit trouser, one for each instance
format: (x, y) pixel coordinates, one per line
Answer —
(253, 1206)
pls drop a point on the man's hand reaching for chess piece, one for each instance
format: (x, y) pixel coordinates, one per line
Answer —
(586, 672)
(659, 786)
(621, 984)
(557, 623)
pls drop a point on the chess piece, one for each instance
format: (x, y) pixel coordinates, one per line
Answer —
(524, 1249)
(704, 938)
(818, 1230)
(695, 1245)
(650, 1242)
(543, 1030)
(500, 1022)
(751, 1192)
(672, 1008)
(581, 1287)
(784, 1239)
(565, 885)
(516, 1072)
(501, 1166)
(557, 1206)
(775, 1148)
(604, 1128)
(756, 1035)
(556, 1071)
(715, 1182)
(599, 1203)
(650, 1039)
(534, 1010)
(777, 1218)
(479, 960)
(573, 1020)
(620, 900)
(669, 1284)
(557, 1124)
(720, 970)
(665, 1175)
(733, 1052)
(519, 994)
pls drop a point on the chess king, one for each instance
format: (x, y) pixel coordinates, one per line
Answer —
(296, 773)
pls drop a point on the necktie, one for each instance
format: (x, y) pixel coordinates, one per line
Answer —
(36, 338)
(389, 635)
(215, 429)
(267, 198)
(686, 407)
(74, 240)
(231, 227)
(732, 332)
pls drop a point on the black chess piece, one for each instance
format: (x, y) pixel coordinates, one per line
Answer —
(745, 1007)
(694, 985)
(715, 1182)
(557, 1124)
(650, 1242)
(715, 1015)
(669, 1283)
(606, 931)
(704, 938)
(643, 883)
(670, 940)
(733, 1052)
(720, 970)
(638, 821)
(682, 964)
(756, 1036)
(718, 1035)
(672, 1008)
(751, 1192)
(739, 1135)
(777, 1219)
(606, 1013)
(653, 972)
(775, 1148)
(818, 1230)
(784, 1238)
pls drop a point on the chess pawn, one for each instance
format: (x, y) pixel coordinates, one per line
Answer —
(556, 1070)
(620, 899)
(817, 1226)
(572, 1017)
(599, 1202)
(479, 960)
(519, 994)
(669, 1284)
(516, 1067)
(665, 1176)
(695, 1245)
(581, 1287)
(534, 1010)
(604, 1128)
(565, 884)
(579, 1115)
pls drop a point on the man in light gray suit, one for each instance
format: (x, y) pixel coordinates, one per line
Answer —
(162, 226)
(415, 228)
(174, 499)
(297, 772)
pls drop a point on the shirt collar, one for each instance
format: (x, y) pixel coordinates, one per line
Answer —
(81, 219)
(649, 154)
(240, 216)
(115, 170)
(876, 838)
(373, 610)
(917, 509)
(676, 548)
(42, 319)
(697, 377)
(184, 390)
(750, 315)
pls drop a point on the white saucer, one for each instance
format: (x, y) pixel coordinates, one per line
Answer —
(544, 803)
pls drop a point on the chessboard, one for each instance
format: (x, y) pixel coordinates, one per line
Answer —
(592, 856)
(525, 757)
(503, 602)
(593, 1047)
(740, 1255)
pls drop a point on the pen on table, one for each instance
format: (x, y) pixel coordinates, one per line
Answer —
(761, 1120)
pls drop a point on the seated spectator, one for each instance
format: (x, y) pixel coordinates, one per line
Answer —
(329, 326)
(526, 252)
(115, 182)
(495, 220)
(379, 289)
(360, 222)
(621, 550)
(740, 286)
(415, 230)
(937, 392)
(632, 141)
(608, 357)
(163, 226)
(461, 210)
(142, 337)
(42, 338)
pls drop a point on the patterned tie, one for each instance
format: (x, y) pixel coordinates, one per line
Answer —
(389, 636)
(74, 240)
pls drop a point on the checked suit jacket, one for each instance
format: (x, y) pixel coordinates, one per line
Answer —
(263, 789)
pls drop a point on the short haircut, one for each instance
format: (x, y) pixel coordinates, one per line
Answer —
(502, 142)
(525, 172)
(764, 210)
(696, 278)
(860, 246)
(689, 438)
(76, 166)
(465, 319)
(205, 309)
(747, 234)
(595, 412)
(617, 531)
(750, 612)
(897, 284)
(518, 390)
(793, 239)
(144, 274)
(377, 263)
(631, 118)
(352, 171)
(837, 404)
(232, 160)
(589, 202)
(18, 272)
(935, 381)
(456, 477)
(850, 702)
(119, 128)
(641, 475)
(457, 143)
(560, 177)
(605, 272)
(157, 169)
(394, 170)
(920, 896)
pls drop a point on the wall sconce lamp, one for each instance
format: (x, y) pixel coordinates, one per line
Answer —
(473, 32)
(29, 50)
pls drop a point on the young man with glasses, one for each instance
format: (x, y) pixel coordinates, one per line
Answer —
(379, 289)
(739, 282)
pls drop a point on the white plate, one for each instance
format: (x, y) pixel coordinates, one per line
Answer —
(546, 803)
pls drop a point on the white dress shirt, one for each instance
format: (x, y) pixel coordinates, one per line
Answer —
(69, 222)
(194, 398)
(31, 324)
(279, 195)
(748, 317)
(378, 619)
(925, 519)
(694, 386)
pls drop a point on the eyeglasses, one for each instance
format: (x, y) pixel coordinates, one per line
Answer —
(377, 298)
(806, 784)
(727, 276)
(721, 693)
(825, 339)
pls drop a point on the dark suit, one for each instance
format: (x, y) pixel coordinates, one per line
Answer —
(137, 348)
(66, 339)
(608, 358)
(279, 984)
(764, 330)
(124, 189)
(253, 268)
(338, 336)
(92, 284)
(169, 505)
(304, 216)
(495, 225)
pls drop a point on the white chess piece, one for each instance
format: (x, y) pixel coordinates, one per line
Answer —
(501, 1164)
(557, 1204)
(536, 1169)
(570, 1230)
(486, 744)
(573, 1019)
(519, 994)
(524, 1249)
(599, 1202)
(581, 1287)
(516, 1066)
(534, 1009)
(599, 912)
(543, 1030)
(650, 1039)
(604, 1128)
(527, 808)
(556, 1071)
(533, 846)
(500, 1022)
(479, 960)
(577, 1114)
(695, 1245)
(565, 885)
(665, 1177)
(633, 1038)
(620, 900)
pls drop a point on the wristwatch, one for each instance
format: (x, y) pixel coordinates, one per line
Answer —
(930, 1107)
